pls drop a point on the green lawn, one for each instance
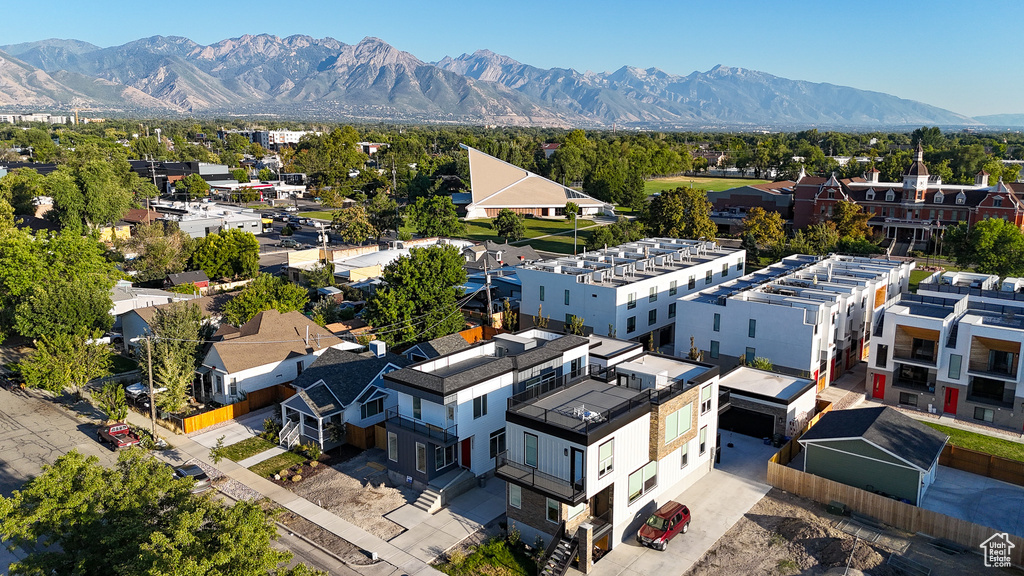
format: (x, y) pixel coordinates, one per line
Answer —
(982, 443)
(321, 214)
(711, 184)
(274, 465)
(494, 557)
(916, 276)
(481, 230)
(246, 448)
(119, 364)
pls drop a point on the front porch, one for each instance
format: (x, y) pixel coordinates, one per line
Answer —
(301, 426)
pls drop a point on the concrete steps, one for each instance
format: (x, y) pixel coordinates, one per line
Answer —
(429, 501)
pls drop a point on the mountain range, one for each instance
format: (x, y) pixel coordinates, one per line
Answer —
(301, 77)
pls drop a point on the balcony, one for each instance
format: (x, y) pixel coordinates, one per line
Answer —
(991, 392)
(914, 378)
(523, 475)
(443, 436)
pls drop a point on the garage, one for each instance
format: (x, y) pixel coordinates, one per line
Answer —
(747, 422)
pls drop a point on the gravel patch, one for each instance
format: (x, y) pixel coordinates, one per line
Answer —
(229, 486)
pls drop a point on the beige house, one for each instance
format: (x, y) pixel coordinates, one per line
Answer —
(496, 184)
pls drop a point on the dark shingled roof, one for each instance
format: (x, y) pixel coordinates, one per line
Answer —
(441, 346)
(344, 373)
(189, 277)
(884, 427)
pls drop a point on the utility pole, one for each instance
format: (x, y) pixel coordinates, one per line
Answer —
(152, 400)
(487, 279)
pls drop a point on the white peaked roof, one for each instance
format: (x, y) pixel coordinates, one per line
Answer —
(498, 184)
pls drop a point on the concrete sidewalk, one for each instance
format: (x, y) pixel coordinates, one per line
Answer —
(402, 562)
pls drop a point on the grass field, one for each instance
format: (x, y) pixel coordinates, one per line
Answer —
(274, 465)
(481, 230)
(982, 443)
(248, 447)
(711, 184)
(321, 214)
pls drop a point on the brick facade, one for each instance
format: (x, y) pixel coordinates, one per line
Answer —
(658, 448)
(533, 513)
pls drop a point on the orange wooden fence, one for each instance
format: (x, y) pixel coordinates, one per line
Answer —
(254, 401)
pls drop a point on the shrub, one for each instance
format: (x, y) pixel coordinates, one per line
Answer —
(297, 477)
(271, 430)
(313, 451)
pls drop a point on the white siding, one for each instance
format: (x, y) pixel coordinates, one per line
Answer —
(479, 429)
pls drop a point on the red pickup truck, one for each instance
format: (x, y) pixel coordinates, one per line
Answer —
(117, 435)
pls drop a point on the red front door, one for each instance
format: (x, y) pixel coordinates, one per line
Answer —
(467, 452)
(952, 395)
(878, 387)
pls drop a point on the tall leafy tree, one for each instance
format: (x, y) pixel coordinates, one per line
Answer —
(353, 225)
(20, 187)
(851, 220)
(193, 186)
(435, 216)
(135, 519)
(160, 248)
(65, 361)
(992, 246)
(265, 292)
(509, 225)
(230, 253)
(764, 228)
(680, 213)
(383, 213)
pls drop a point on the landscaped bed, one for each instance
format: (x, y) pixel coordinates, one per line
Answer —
(982, 443)
(249, 447)
(495, 557)
(273, 465)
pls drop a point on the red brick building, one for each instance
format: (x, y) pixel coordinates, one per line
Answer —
(912, 210)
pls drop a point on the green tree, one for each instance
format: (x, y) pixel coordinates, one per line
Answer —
(160, 248)
(419, 300)
(509, 317)
(761, 363)
(353, 225)
(436, 216)
(111, 401)
(572, 211)
(230, 253)
(510, 225)
(992, 246)
(240, 175)
(20, 187)
(851, 220)
(680, 213)
(265, 174)
(820, 238)
(265, 292)
(320, 276)
(65, 361)
(133, 519)
(764, 228)
(622, 231)
(575, 325)
(383, 213)
(193, 186)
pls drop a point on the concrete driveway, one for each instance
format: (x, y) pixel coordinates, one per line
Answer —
(236, 430)
(716, 502)
(977, 499)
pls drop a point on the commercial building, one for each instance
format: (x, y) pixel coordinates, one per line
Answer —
(628, 291)
(200, 219)
(953, 348)
(810, 316)
(589, 460)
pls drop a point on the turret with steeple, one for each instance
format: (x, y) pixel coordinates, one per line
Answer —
(916, 177)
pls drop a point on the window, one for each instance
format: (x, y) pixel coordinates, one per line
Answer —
(652, 296)
(233, 388)
(515, 496)
(961, 198)
(643, 481)
(983, 414)
(882, 357)
(752, 328)
(673, 287)
(954, 366)
(479, 406)
(703, 440)
(997, 202)
(672, 310)
(718, 323)
(541, 293)
(392, 446)
(708, 277)
(908, 398)
(750, 354)
(739, 265)
(630, 324)
(652, 317)
(444, 456)
(497, 443)
(421, 458)
(631, 303)
(1000, 361)
(890, 196)
(417, 408)
(705, 399)
(566, 297)
(298, 368)
(576, 510)
(371, 408)
(552, 513)
(714, 349)
(531, 449)
(605, 458)
(678, 423)
(691, 283)
(725, 270)
(685, 458)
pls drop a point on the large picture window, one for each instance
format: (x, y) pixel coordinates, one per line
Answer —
(643, 481)
(606, 458)
(678, 423)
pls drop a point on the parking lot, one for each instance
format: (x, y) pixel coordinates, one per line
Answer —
(977, 499)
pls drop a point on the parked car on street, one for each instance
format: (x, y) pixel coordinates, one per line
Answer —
(140, 389)
(202, 481)
(671, 519)
(289, 243)
(291, 209)
(117, 435)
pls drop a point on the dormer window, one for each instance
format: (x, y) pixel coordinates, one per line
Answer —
(831, 195)
(870, 195)
(961, 198)
(890, 196)
(939, 197)
(997, 202)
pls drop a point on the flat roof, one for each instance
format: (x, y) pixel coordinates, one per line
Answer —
(605, 347)
(677, 369)
(587, 399)
(760, 383)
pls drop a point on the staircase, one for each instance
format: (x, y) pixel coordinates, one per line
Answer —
(429, 501)
(289, 435)
(557, 563)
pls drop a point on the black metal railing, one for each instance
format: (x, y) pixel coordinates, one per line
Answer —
(521, 473)
(546, 386)
(559, 534)
(443, 435)
(724, 400)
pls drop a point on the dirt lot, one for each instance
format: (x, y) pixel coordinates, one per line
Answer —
(357, 490)
(784, 534)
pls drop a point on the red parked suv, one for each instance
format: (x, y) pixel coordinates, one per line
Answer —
(671, 519)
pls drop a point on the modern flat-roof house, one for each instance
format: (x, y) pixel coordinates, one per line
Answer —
(271, 348)
(451, 409)
(496, 184)
(810, 316)
(127, 297)
(341, 397)
(605, 451)
(762, 403)
(953, 348)
(628, 291)
(875, 449)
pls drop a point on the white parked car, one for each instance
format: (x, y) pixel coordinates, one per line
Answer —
(138, 389)
(291, 209)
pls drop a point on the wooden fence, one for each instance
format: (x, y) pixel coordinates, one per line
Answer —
(792, 448)
(982, 464)
(254, 401)
(886, 510)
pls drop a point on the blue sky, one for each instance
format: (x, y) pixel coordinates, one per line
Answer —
(963, 56)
